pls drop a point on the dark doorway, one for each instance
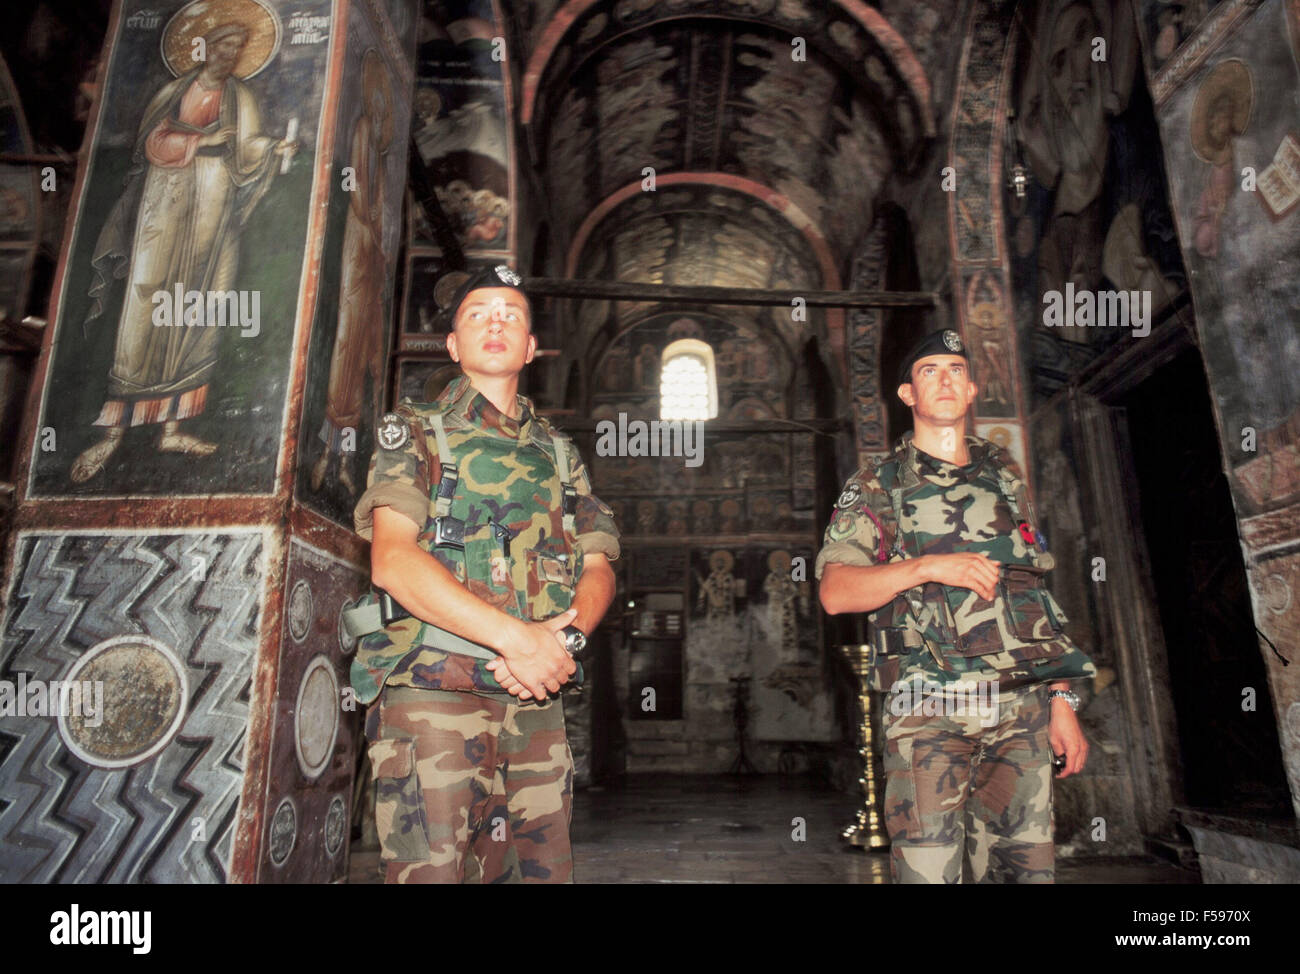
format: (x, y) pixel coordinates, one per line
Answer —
(1231, 757)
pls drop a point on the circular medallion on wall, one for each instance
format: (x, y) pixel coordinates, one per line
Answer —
(316, 716)
(135, 705)
(347, 643)
(336, 824)
(300, 610)
(284, 832)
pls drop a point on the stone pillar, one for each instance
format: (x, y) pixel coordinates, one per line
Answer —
(1223, 103)
(204, 411)
(981, 272)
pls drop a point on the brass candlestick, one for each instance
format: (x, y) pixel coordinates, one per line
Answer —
(867, 831)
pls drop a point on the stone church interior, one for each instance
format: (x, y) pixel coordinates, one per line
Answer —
(765, 201)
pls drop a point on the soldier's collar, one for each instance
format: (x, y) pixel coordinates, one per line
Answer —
(920, 463)
(461, 396)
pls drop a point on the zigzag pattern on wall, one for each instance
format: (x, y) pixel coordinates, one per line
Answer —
(168, 819)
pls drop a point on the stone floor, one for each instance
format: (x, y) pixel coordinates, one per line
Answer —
(722, 829)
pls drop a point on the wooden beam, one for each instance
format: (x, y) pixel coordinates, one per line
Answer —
(557, 287)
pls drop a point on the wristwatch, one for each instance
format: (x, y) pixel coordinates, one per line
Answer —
(575, 640)
(1069, 696)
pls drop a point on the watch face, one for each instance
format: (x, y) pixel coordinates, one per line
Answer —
(574, 639)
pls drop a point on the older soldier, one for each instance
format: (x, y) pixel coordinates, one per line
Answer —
(938, 543)
(484, 529)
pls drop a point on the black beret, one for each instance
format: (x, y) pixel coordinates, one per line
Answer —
(943, 342)
(498, 276)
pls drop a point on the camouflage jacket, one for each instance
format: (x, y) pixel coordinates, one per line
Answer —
(943, 633)
(518, 555)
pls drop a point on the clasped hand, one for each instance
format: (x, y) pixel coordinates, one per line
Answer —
(538, 663)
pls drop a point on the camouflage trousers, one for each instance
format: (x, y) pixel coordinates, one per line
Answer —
(471, 789)
(969, 802)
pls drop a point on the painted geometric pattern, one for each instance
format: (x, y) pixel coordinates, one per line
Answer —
(169, 818)
(864, 348)
(973, 219)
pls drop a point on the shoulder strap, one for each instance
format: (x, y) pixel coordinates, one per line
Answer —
(450, 472)
(887, 472)
(1016, 494)
(566, 487)
(892, 478)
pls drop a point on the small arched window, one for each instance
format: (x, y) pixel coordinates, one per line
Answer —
(688, 385)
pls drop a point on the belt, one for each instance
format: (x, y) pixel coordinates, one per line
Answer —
(365, 619)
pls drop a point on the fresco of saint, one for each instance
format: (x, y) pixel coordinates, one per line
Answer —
(1220, 113)
(360, 331)
(201, 165)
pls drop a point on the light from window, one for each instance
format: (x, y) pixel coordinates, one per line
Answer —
(687, 387)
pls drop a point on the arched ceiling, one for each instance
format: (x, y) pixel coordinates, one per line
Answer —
(769, 128)
(694, 234)
(815, 107)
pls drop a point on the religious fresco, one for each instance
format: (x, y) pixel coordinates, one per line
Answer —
(168, 623)
(775, 106)
(314, 740)
(1168, 23)
(1095, 212)
(700, 235)
(352, 332)
(753, 373)
(1241, 246)
(20, 215)
(460, 124)
(751, 613)
(193, 213)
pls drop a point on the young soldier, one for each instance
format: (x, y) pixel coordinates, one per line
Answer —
(484, 529)
(938, 543)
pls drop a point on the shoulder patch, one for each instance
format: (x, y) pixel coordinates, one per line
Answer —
(849, 497)
(393, 432)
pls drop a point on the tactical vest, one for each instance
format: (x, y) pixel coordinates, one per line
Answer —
(502, 522)
(1017, 639)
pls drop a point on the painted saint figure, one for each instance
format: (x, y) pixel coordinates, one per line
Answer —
(718, 591)
(201, 164)
(786, 600)
(364, 269)
(1065, 104)
(1220, 113)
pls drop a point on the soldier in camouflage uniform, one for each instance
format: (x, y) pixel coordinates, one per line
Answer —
(937, 542)
(485, 530)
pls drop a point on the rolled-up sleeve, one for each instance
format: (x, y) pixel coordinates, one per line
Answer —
(861, 527)
(593, 519)
(399, 477)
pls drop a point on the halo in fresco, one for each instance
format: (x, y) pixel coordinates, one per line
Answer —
(198, 18)
(1228, 83)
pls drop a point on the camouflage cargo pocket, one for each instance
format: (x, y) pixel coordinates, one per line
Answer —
(1027, 615)
(399, 803)
(550, 566)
